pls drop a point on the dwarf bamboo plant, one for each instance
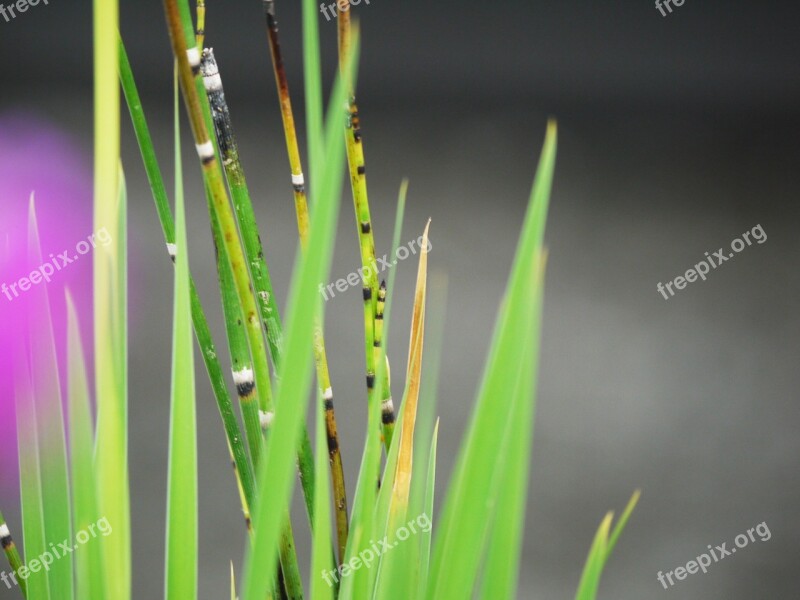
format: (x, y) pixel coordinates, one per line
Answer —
(73, 479)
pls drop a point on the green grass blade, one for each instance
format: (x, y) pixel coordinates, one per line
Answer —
(468, 507)
(111, 451)
(33, 531)
(89, 566)
(313, 266)
(426, 536)
(322, 586)
(601, 549)
(182, 536)
(621, 522)
(50, 422)
(590, 579)
(505, 545)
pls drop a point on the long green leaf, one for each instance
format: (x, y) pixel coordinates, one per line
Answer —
(590, 580)
(182, 536)
(322, 585)
(505, 545)
(33, 531)
(430, 491)
(469, 505)
(89, 563)
(50, 422)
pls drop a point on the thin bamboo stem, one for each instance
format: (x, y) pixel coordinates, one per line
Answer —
(200, 34)
(301, 210)
(358, 181)
(12, 554)
(253, 248)
(242, 366)
(233, 432)
(197, 108)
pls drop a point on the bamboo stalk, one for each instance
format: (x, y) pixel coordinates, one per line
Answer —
(200, 34)
(12, 554)
(196, 106)
(387, 406)
(242, 369)
(180, 27)
(241, 364)
(301, 210)
(358, 182)
(253, 248)
(233, 432)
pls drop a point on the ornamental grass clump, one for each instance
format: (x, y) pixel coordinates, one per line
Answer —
(383, 540)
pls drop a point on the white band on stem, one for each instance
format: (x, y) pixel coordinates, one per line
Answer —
(243, 376)
(193, 54)
(205, 151)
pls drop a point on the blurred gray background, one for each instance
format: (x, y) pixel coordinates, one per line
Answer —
(677, 135)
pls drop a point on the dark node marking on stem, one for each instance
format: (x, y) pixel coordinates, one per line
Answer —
(327, 404)
(377, 343)
(388, 417)
(248, 523)
(207, 160)
(370, 380)
(366, 227)
(245, 388)
(357, 135)
(201, 32)
(367, 294)
(379, 317)
(299, 188)
(333, 444)
(361, 169)
(7, 542)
